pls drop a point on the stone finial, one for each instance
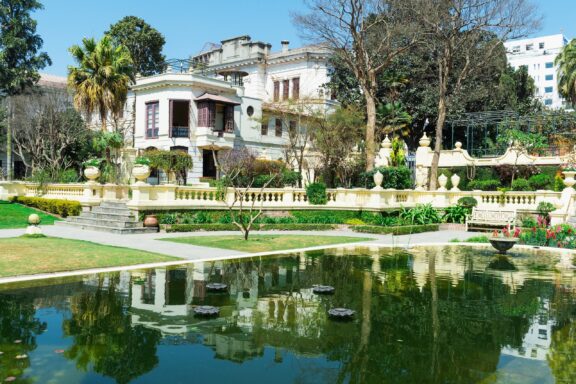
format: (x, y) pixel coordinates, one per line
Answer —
(424, 141)
(386, 143)
(458, 146)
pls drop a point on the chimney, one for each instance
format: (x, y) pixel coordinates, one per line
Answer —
(284, 44)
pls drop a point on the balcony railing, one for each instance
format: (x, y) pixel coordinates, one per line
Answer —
(179, 132)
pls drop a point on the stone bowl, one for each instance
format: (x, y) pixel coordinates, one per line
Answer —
(206, 311)
(216, 287)
(323, 289)
(503, 244)
(341, 313)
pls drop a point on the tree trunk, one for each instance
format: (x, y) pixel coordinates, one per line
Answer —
(443, 72)
(9, 170)
(370, 130)
(134, 121)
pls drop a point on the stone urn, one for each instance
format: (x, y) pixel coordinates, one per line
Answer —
(503, 244)
(455, 179)
(442, 181)
(569, 180)
(420, 178)
(141, 173)
(92, 173)
(150, 221)
(424, 141)
(378, 178)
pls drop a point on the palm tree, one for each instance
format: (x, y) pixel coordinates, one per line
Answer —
(102, 77)
(566, 62)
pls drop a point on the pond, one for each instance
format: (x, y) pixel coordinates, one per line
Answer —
(426, 315)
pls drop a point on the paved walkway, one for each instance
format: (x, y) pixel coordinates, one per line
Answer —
(149, 241)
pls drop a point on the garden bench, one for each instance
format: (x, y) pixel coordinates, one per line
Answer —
(491, 218)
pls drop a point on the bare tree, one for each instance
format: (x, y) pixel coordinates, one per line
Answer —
(237, 170)
(363, 33)
(46, 128)
(465, 36)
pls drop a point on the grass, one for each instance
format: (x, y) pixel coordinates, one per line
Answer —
(16, 216)
(265, 243)
(473, 239)
(33, 255)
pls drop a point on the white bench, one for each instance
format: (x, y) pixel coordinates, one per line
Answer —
(492, 218)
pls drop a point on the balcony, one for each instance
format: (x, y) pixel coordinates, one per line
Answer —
(208, 138)
(179, 132)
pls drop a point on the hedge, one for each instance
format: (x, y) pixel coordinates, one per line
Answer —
(402, 230)
(255, 227)
(60, 207)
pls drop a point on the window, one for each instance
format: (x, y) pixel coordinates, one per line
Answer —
(549, 77)
(516, 49)
(286, 89)
(292, 127)
(278, 128)
(276, 91)
(529, 47)
(250, 111)
(179, 118)
(540, 45)
(152, 119)
(548, 89)
(296, 88)
(548, 102)
(549, 64)
(206, 114)
(229, 118)
(264, 129)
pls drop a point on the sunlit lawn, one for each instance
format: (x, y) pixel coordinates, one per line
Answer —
(16, 216)
(25, 256)
(265, 243)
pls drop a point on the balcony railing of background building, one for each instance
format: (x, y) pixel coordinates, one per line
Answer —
(182, 132)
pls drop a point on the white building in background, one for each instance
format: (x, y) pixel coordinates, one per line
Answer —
(225, 97)
(538, 55)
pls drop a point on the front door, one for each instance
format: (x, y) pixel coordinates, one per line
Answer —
(208, 165)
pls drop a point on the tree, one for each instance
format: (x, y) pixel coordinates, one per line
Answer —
(566, 62)
(101, 79)
(362, 35)
(522, 143)
(46, 131)
(238, 174)
(20, 58)
(145, 45)
(171, 162)
(469, 33)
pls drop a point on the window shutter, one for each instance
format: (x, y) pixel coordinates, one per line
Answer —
(202, 114)
(296, 88)
(229, 119)
(211, 115)
(276, 91)
(278, 128)
(286, 90)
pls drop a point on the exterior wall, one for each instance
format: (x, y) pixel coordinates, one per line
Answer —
(527, 52)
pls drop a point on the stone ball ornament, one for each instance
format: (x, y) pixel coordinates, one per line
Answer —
(206, 311)
(33, 219)
(323, 289)
(341, 313)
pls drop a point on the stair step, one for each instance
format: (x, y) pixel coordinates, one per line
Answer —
(125, 211)
(110, 216)
(105, 222)
(101, 228)
(113, 204)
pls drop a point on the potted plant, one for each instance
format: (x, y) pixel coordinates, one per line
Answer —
(141, 170)
(92, 169)
(504, 240)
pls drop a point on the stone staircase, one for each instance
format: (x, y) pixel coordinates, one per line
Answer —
(110, 216)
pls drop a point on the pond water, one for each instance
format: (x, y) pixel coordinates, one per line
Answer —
(426, 315)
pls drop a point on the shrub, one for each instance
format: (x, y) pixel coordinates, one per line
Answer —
(142, 160)
(529, 222)
(60, 207)
(520, 185)
(379, 218)
(561, 236)
(67, 176)
(296, 227)
(477, 239)
(505, 172)
(401, 230)
(394, 177)
(261, 227)
(354, 222)
(421, 214)
(455, 214)
(467, 202)
(316, 193)
(558, 183)
(324, 217)
(484, 185)
(291, 178)
(541, 181)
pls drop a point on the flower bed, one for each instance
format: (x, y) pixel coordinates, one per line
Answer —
(560, 236)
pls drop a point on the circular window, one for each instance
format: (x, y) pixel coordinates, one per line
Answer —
(250, 110)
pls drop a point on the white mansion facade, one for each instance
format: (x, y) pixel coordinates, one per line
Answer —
(225, 97)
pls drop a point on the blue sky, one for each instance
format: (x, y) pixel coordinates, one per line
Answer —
(188, 24)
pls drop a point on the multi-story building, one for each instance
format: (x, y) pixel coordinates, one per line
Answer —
(227, 97)
(538, 55)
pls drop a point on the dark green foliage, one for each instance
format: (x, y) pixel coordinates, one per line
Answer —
(394, 177)
(544, 208)
(455, 214)
(316, 193)
(420, 215)
(529, 222)
(477, 239)
(540, 181)
(67, 176)
(484, 185)
(559, 183)
(261, 227)
(324, 217)
(60, 207)
(402, 230)
(521, 185)
(379, 218)
(467, 202)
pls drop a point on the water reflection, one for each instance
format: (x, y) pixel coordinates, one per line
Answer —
(430, 315)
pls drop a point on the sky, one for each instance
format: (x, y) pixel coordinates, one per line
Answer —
(188, 24)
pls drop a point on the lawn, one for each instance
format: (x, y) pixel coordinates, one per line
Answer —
(265, 243)
(16, 215)
(27, 256)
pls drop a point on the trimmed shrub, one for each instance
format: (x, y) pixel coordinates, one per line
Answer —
(296, 227)
(60, 207)
(467, 202)
(484, 185)
(316, 193)
(394, 177)
(256, 227)
(559, 183)
(541, 181)
(401, 230)
(520, 185)
(201, 227)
